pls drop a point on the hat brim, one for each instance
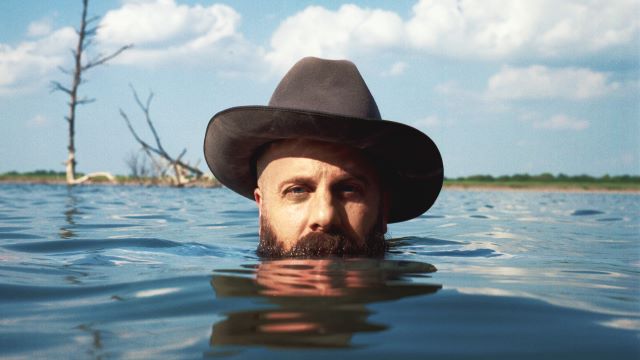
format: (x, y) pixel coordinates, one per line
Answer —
(410, 160)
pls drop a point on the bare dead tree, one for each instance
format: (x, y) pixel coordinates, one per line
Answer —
(182, 170)
(86, 34)
(138, 167)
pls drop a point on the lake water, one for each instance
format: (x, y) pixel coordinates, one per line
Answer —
(135, 272)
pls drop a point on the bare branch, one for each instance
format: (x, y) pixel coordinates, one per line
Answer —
(65, 71)
(145, 110)
(191, 168)
(56, 86)
(85, 101)
(180, 168)
(160, 169)
(135, 135)
(104, 59)
(184, 151)
(145, 146)
(88, 42)
(92, 19)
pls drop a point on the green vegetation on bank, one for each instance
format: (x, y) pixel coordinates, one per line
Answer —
(35, 175)
(517, 181)
(547, 180)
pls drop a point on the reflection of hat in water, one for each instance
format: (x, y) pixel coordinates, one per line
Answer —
(327, 100)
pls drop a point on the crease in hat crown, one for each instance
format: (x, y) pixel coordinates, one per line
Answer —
(328, 86)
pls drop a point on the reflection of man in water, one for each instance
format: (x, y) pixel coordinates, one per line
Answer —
(319, 302)
(326, 171)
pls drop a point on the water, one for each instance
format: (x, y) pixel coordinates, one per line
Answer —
(134, 272)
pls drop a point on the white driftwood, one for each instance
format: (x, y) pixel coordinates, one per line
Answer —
(93, 175)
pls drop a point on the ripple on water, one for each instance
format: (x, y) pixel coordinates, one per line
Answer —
(240, 213)
(18, 236)
(56, 246)
(246, 235)
(586, 212)
(224, 224)
(13, 218)
(103, 226)
(163, 217)
(5, 229)
(426, 216)
(420, 240)
(610, 219)
(464, 253)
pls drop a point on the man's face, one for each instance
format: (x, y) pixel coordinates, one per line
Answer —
(320, 198)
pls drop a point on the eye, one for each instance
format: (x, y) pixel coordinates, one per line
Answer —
(349, 190)
(296, 192)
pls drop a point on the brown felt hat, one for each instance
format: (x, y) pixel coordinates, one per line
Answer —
(327, 100)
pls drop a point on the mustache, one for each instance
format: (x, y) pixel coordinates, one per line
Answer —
(321, 244)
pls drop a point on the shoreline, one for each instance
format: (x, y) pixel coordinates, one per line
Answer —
(569, 188)
(36, 181)
(542, 188)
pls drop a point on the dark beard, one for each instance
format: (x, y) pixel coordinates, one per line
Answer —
(321, 244)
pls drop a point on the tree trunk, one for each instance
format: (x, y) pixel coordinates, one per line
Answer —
(73, 103)
(84, 41)
(71, 166)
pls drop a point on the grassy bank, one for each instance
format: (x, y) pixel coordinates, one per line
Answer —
(520, 181)
(548, 181)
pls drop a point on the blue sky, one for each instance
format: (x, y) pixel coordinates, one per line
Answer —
(502, 87)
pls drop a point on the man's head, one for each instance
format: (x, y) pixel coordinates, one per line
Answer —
(318, 198)
(327, 172)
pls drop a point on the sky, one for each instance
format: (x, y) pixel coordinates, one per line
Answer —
(501, 86)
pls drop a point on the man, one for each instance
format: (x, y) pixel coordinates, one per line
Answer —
(327, 173)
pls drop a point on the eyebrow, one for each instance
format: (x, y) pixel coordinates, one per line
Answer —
(309, 180)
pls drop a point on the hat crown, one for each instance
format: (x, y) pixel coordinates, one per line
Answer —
(327, 86)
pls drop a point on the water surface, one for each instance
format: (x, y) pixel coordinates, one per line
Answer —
(135, 272)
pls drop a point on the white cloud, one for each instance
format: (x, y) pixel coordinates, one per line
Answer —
(397, 68)
(562, 122)
(165, 31)
(432, 121)
(540, 82)
(27, 64)
(40, 28)
(162, 30)
(499, 28)
(316, 31)
(38, 121)
(489, 29)
(463, 28)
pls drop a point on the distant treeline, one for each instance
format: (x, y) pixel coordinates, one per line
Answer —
(548, 177)
(37, 173)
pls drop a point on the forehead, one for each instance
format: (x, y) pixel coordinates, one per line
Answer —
(301, 152)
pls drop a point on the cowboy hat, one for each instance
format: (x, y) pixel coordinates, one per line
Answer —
(327, 100)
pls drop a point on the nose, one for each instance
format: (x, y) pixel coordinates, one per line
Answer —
(323, 214)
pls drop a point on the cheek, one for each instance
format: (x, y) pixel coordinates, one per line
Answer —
(287, 220)
(362, 217)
